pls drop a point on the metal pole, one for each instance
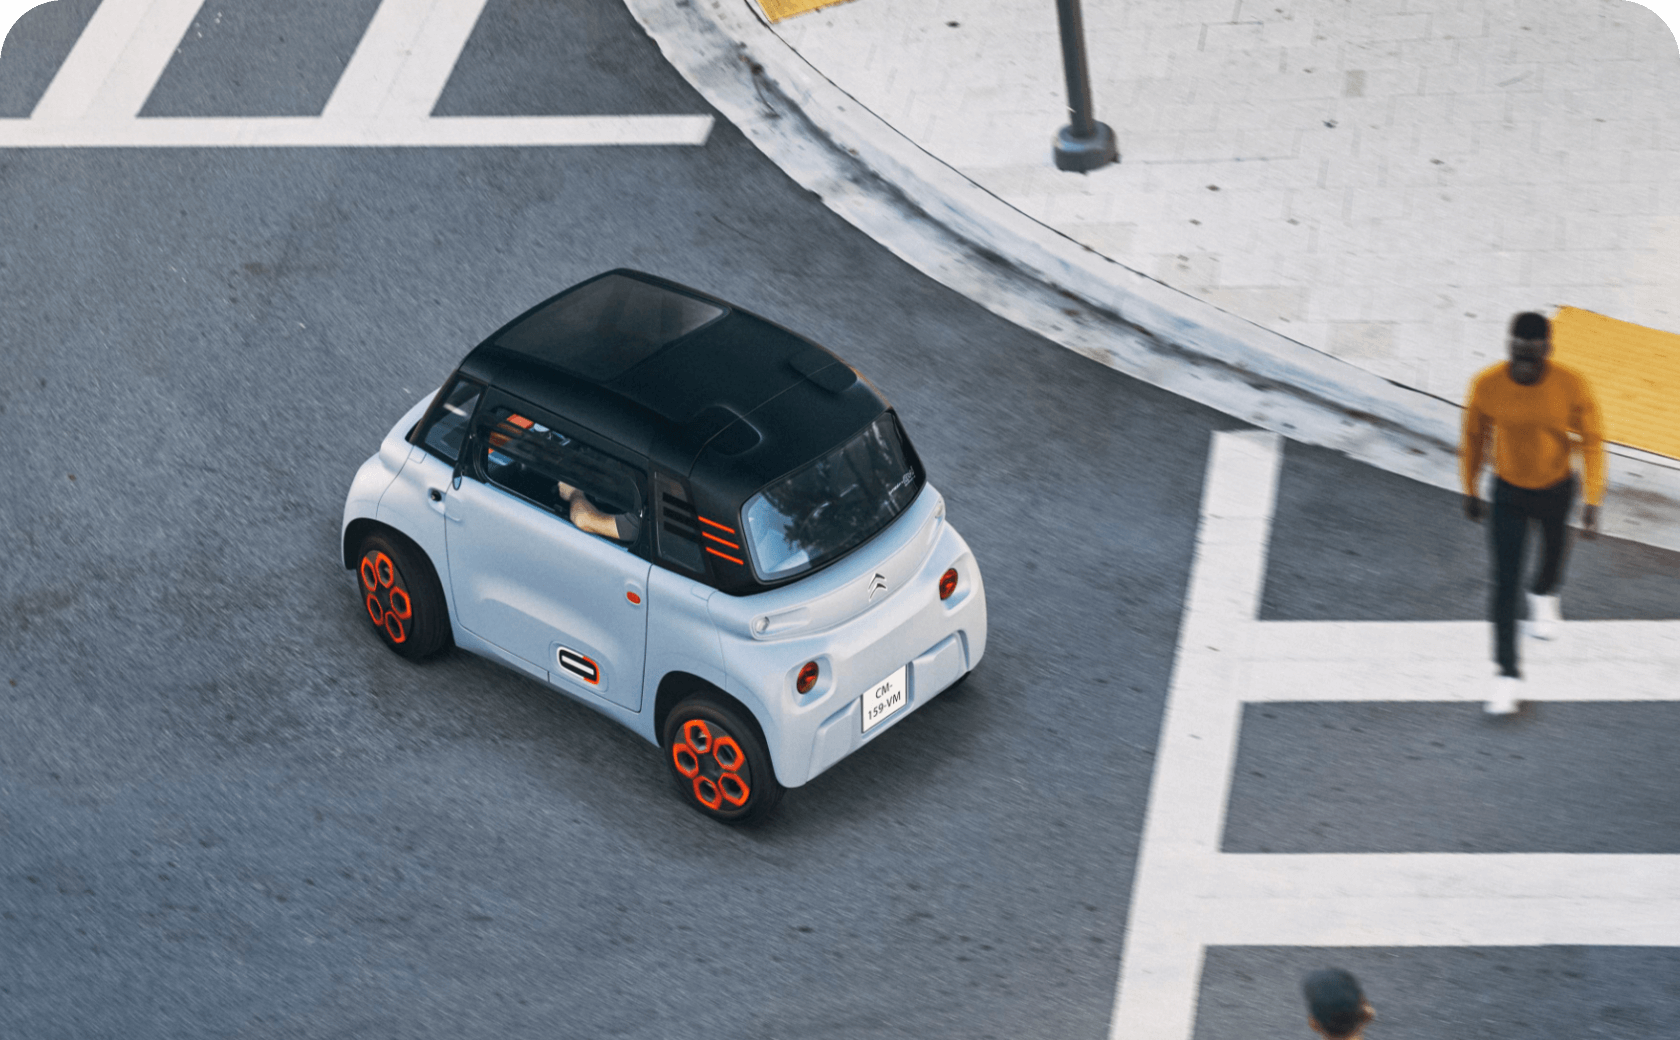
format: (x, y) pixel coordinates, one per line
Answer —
(1084, 144)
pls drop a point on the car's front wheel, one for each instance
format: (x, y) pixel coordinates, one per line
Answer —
(718, 762)
(401, 597)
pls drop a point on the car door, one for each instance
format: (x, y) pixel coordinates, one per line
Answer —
(414, 502)
(526, 576)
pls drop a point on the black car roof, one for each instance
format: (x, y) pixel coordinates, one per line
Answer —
(732, 402)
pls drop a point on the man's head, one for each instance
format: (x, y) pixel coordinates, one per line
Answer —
(1530, 343)
(1336, 1009)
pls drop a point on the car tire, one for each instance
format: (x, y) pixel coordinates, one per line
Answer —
(731, 786)
(401, 597)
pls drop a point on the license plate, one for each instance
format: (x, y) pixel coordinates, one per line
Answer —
(883, 699)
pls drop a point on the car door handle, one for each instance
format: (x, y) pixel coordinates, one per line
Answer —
(438, 504)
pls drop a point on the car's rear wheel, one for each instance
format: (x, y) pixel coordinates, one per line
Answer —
(401, 597)
(717, 761)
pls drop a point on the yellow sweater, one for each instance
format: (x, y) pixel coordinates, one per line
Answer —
(1531, 427)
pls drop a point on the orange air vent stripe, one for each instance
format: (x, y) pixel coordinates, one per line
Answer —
(720, 541)
(520, 421)
(726, 556)
(714, 523)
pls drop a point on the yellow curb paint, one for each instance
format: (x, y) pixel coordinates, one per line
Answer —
(1634, 373)
(776, 10)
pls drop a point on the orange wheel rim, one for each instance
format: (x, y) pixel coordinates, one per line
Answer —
(394, 627)
(387, 571)
(727, 753)
(370, 577)
(374, 610)
(733, 790)
(400, 604)
(698, 735)
(686, 761)
(707, 793)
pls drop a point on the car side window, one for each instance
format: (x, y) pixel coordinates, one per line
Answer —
(449, 429)
(595, 491)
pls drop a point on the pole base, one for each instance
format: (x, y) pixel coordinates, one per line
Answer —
(1080, 154)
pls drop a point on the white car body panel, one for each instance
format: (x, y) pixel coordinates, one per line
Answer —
(530, 582)
(521, 582)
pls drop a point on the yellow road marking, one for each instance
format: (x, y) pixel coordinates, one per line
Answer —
(1634, 373)
(776, 10)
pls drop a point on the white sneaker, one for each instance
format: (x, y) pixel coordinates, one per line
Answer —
(1543, 616)
(1503, 699)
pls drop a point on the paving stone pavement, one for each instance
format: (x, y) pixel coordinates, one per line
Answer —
(1386, 183)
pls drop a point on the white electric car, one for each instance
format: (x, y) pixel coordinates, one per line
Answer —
(687, 517)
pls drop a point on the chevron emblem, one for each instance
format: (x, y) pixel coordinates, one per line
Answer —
(877, 584)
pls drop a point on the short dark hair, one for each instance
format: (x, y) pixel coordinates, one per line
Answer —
(1530, 325)
(1334, 999)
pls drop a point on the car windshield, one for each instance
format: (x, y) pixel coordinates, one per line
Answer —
(833, 505)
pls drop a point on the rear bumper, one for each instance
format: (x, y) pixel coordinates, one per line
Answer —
(939, 640)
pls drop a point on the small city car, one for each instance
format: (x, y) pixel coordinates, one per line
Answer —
(685, 516)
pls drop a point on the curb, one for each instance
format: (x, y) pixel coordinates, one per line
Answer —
(969, 240)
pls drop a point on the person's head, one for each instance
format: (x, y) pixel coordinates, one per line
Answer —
(1336, 1008)
(1530, 342)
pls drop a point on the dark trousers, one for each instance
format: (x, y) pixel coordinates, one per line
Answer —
(1513, 508)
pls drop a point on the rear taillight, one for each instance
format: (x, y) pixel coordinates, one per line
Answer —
(948, 583)
(807, 677)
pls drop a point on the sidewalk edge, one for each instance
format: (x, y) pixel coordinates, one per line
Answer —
(962, 236)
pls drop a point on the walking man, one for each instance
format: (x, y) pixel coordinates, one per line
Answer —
(1531, 406)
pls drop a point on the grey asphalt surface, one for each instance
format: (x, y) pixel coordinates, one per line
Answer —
(226, 810)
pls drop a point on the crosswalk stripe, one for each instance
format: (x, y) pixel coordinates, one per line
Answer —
(1188, 895)
(312, 132)
(117, 60)
(383, 99)
(404, 59)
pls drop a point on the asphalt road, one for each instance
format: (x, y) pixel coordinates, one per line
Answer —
(226, 810)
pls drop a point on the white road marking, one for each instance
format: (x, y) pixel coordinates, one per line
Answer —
(1187, 895)
(404, 59)
(312, 132)
(383, 99)
(117, 60)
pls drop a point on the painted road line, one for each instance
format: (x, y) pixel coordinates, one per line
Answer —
(117, 60)
(1442, 899)
(404, 59)
(1161, 959)
(1465, 681)
(1392, 642)
(1388, 644)
(312, 132)
(1187, 895)
(383, 99)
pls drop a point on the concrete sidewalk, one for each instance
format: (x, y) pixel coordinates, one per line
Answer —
(1387, 187)
(1342, 211)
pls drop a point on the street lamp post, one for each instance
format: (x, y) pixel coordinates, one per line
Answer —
(1084, 144)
